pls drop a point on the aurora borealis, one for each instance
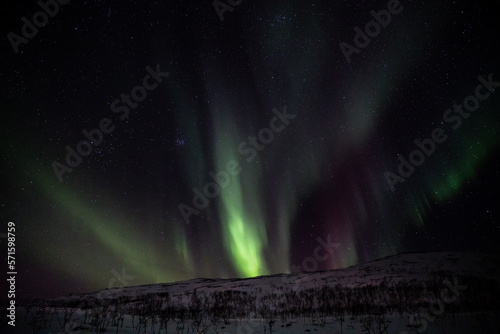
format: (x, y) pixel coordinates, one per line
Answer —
(321, 174)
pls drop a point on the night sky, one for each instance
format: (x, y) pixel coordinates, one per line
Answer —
(299, 136)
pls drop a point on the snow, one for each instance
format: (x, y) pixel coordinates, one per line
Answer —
(436, 292)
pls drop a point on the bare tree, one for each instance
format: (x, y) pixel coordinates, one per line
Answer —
(64, 318)
(268, 312)
(181, 313)
(166, 312)
(99, 318)
(375, 324)
(40, 316)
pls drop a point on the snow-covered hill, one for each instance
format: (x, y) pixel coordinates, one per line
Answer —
(419, 267)
(413, 293)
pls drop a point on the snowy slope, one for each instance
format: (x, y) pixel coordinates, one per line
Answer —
(404, 267)
(428, 292)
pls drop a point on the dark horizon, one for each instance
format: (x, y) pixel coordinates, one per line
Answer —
(254, 277)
